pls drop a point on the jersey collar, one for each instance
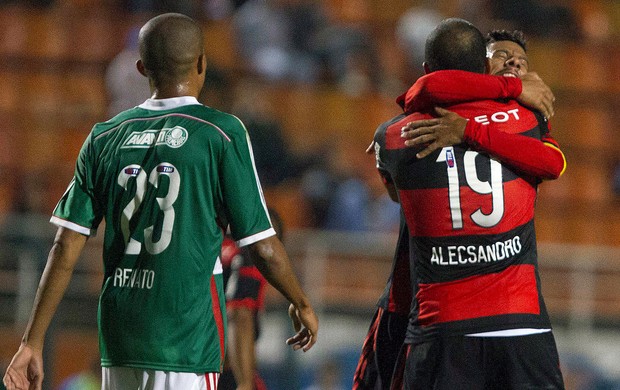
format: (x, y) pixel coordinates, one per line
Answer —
(167, 104)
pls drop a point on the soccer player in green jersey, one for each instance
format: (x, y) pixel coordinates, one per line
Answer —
(168, 177)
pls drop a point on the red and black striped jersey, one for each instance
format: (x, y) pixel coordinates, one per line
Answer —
(470, 219)
(244, 284)
(397, 294)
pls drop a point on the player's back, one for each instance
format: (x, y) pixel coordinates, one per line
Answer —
(170, 161)
(471, 224)
(161, 174)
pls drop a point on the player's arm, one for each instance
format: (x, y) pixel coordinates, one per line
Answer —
(389, 185)
(242, 192)
(26, 369)
(376, 148)
(543, 160)
(243, 360)
(447, 87)
(273, 262)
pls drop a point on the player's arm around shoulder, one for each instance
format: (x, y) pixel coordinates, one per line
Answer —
(273, 262)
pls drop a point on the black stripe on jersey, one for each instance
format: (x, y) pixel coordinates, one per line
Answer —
(443, 259)
(417, 333)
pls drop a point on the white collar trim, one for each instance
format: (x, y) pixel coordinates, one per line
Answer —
(167, 104)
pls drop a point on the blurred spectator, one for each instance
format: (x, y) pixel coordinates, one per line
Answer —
(596, 19)
(30, 3)
(328, 377)
(412, 29)
(344, 197)
(217, 91)
(273, 36)
(355, 207)
(616, 179)
(32, 189)
(349, 57)
(348, 206)
(294, 40)
(220, 9)
(537, 17)
(274, 161)
(188, 7)
(479, 12)
(125, 86)
(580, 373)
(317, 184)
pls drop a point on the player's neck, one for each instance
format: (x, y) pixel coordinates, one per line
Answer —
(175, 90)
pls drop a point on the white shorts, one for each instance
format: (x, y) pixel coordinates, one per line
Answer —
(127, 378)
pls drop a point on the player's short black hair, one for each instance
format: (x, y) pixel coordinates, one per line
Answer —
(456, 44)
(169, 45)
(515, 36)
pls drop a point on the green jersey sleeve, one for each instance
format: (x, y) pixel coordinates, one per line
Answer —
(246, 210)
(78, 208)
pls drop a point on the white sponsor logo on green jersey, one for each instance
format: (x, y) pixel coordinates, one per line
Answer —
(173, 137)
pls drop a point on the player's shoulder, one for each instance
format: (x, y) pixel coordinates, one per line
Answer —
(226, 122)
(114, 122)
(383, 127)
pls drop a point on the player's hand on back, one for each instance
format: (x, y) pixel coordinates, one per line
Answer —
(432, 134)
(536, 94)
(306, 324)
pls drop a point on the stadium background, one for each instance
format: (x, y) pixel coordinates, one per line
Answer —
(54, 55)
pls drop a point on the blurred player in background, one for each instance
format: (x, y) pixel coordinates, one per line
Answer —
(168, 176)
(245, 300)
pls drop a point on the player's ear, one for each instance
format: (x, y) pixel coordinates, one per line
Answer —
(201, 65)
(427, 70)
(141, 68)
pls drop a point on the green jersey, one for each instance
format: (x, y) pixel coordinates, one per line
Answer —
(167, 177)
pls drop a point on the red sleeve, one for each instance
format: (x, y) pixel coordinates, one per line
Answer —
(542, 159)
(456, 86)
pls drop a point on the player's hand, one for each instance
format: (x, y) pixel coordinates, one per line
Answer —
(445, 130)
(306, 324)
(25, 372)
(536, 94)
(292, 313)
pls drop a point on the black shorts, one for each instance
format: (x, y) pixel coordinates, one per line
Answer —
(385, 337)
(227, 381)
(485, 363)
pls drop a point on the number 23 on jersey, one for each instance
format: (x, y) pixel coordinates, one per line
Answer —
(165, 204)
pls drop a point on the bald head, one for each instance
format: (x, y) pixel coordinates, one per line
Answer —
(456, 44)
(170, 46)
